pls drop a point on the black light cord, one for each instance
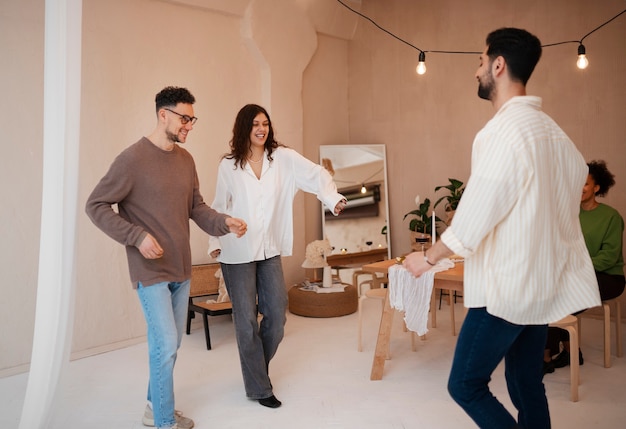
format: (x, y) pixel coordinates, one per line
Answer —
(381, 28)
(379, 171)
(468, 52)
(586, 35)
(601, 25)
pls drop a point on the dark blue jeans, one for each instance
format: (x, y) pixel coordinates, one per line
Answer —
(257, 344)
(483, 341)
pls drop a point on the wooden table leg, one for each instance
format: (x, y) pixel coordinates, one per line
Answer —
(433, 308)
(451, 301)
(382, 342)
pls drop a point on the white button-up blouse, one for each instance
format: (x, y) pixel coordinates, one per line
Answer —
(266, 204)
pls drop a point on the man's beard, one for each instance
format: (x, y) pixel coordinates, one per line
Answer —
(486, 89)
(172, 137)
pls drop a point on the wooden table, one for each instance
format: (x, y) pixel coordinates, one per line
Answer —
(356, 259)
(451, 280)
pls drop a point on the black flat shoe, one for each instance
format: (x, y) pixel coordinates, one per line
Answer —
(561, 360)
(548, 367)
(270, 402)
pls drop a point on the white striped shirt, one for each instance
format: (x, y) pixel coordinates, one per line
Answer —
(517, 224)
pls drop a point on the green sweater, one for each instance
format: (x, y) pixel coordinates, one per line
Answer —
(603, 228)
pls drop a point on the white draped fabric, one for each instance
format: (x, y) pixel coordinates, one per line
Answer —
(54, 316)
(412, 294)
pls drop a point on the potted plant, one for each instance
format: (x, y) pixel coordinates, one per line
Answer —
(421, 225)
(455, 191)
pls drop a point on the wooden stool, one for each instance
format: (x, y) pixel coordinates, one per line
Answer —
(570, 324)
(606, 309)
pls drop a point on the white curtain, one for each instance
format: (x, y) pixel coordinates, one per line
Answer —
(55, 287)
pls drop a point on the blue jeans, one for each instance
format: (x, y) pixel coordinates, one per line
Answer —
(165, 310)
(257, 345)
(483, 341)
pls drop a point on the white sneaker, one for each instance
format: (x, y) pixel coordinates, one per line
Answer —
(181, 422)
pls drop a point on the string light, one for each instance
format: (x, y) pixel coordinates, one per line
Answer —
(421, 65)
(582, 61)
(363, 187)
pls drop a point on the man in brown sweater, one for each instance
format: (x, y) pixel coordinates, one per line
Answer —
(155, 187)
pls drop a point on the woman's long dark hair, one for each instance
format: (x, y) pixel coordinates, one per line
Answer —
(240, 143)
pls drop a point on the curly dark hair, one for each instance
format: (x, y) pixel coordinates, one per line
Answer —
(601, 176)
(520, 49)
(170, 96)
(240, 143)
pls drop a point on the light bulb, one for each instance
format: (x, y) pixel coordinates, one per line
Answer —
(421, 65)
(582, 61)
(363, 189)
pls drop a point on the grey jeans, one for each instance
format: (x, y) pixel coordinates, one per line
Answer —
(257, 343)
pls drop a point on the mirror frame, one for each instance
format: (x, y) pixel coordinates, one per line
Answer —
(326, 151)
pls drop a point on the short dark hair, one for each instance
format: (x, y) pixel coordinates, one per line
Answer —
(520, 49)
(601, 176)
(170, 96)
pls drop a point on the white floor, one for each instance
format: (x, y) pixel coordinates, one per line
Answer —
(321, 379)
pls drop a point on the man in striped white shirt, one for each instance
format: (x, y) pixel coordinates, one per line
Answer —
(517, 227)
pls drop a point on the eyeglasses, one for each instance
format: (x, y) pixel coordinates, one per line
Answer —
(184, 119)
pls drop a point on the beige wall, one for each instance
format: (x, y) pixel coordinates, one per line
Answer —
(21, 46)
(129, 53)
(428, 122)
(326, 77)
(228, 53)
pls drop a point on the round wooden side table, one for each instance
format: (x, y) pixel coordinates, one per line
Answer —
(312, 304)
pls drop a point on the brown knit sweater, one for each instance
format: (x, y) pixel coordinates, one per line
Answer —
(156, 191)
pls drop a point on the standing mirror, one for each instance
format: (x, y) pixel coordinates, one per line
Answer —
(360, 234)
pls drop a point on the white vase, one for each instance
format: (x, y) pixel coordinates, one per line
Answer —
(328, 277)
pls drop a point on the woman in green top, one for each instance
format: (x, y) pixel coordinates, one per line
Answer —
(603, 229)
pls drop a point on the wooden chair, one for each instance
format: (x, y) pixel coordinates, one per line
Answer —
(373, 281)
(204, 284)
(570, 324)
(451, 287)
(355, 280)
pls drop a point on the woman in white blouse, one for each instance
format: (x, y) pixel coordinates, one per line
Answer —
(258, 180)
